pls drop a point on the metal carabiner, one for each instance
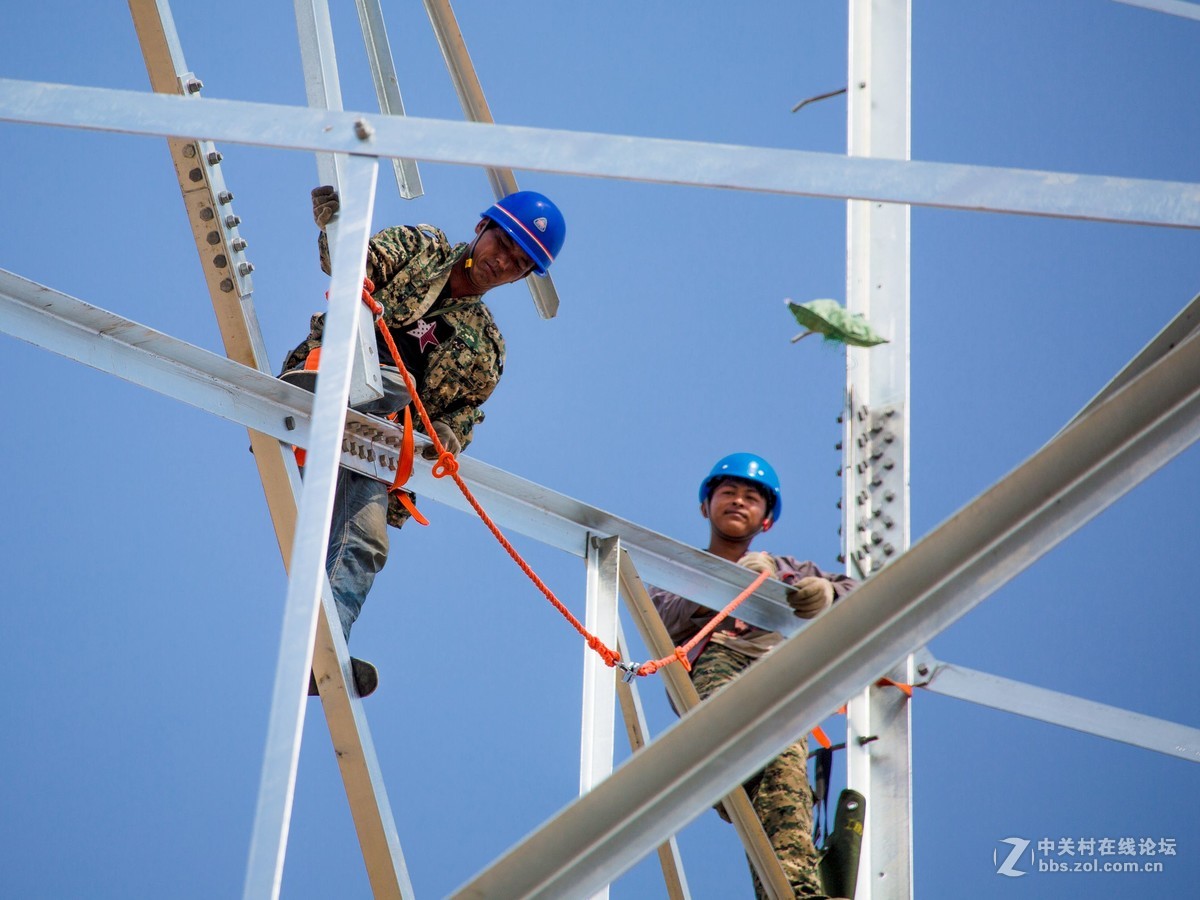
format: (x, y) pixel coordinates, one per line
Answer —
(630, 669)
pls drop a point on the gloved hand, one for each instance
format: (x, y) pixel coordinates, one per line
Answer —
(759, 561)
(448, 438)
(810, 596)
(326, 204)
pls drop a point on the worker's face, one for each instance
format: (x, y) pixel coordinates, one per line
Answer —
(496, 258)
(737, 509)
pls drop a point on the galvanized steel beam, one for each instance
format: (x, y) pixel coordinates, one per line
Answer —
(875, 438)
(475, 107)
(387, 87)
(638, 732)
(143, 356)
(227, 274)
(1104, 721)
(1103, 455)
(685, 698)
(790, 172)
(324, 90)
(306, 576)
(1172, 7)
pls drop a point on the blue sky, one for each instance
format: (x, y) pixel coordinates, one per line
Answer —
(145, 588)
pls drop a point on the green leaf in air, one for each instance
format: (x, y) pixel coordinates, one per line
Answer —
(828, 318)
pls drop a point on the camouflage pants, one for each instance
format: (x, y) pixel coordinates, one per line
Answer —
(780, 792)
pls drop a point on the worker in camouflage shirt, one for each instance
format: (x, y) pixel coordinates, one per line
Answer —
(431, 292)
(741, 499)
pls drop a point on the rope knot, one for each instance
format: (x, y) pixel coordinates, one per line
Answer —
(681, 655)
(445, 465)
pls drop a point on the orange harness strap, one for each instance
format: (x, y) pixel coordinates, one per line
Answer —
(404, 467)
(822, 738)
(404, 464)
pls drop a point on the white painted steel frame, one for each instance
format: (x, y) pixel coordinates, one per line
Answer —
(230, 287)
(1183, 325)
(323, 87)
(1006, 190)
(599, 683)
(101, 339)
(1057, 708)
(387, 87)
(638, 732)
(307, 573)
(1172, 7)
(684, 698)
(208, 203)
(789, 172)
(875, 439)
(476, 109)
(1106, 453)
(599, 688)
(59, 323)
(142, 356)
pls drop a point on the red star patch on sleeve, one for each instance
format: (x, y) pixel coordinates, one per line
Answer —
(424, 333)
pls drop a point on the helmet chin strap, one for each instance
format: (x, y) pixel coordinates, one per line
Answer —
(470, 260)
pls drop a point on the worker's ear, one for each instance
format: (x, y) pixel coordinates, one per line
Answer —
(704, 509)
(767, 523)
(480, 226)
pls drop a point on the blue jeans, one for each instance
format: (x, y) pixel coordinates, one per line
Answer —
(358, 540)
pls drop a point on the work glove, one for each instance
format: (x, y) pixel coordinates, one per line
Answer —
(325, 205)
(448, 438)
(759, 561)
(810, 596)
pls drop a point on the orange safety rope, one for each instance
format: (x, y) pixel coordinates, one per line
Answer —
(681, 653)
(447, 465)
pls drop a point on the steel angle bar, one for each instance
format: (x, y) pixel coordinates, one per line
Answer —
(387, 87)
(1173, 7)
(1087, 716)
(208, 203)
(307, 573)
(324, 92)
(1175, 332)
(138, 354)
(475, 108)
(875, 467)
(789, 172)
(565, 523)
(599, 688)
(638, 733)
(599, 684)
(106, 341)
(940, 579)
(684, 698)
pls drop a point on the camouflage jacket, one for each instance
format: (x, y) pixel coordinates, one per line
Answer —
(684, 619)
(410, 266)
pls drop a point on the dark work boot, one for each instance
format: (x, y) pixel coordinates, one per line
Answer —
(366, 678)
(301, 378)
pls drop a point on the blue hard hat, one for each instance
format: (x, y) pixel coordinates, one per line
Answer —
(534, 222)
(748, 467)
